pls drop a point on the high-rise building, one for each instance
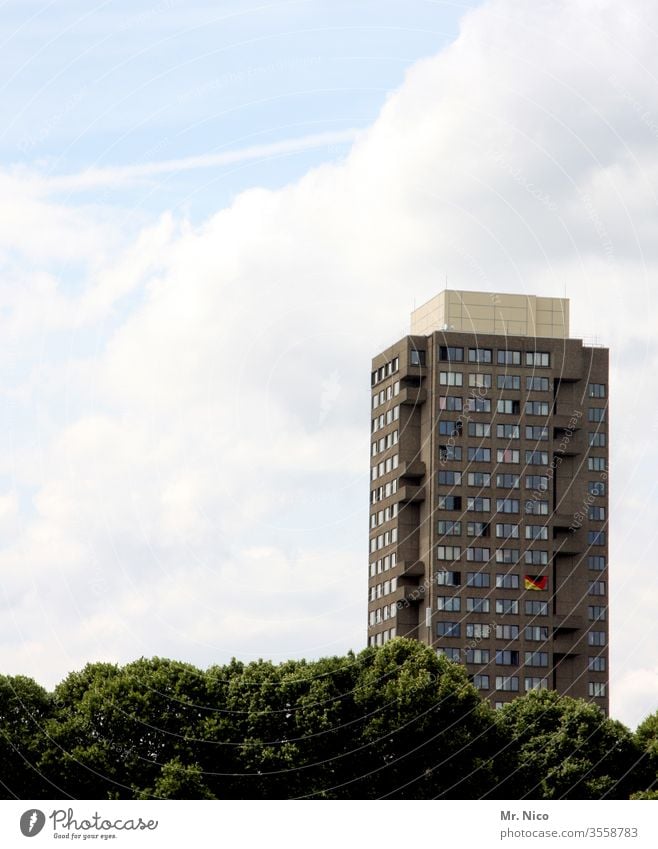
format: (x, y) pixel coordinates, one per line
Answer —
(489, 494)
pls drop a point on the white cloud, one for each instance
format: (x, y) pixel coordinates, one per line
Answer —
(195, 468)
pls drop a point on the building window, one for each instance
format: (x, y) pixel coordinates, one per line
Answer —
(450, 654)
(537, 384)
(536, 532)
(448, 552)
(536, 458)
(508, 406)
(478, 505)
(449, 528)
(596, 613)
(451, 403)
(507, 606)
(508, 505)
(480, 429)
(477, 605)
(507, 632)
(450, 354)
(537, 482)
(479, 355)
(447, 478)
(596, 664)
(508, 455)
(596, 638)
(536, 558)
(536, 658)
(507, 531)
(449, 502)
(479, 455)
(509, 358)
(416, 357)
(596, 537)
(477, 529)
(536, 408)
(507, 555)
(596, 562)
(536, 633)
(510, 684)
(478, 555)
(451, 378)
(478, 631)
(507, 481)
(447, 578)
(479, 479)
(507, 658)
(508, 431)
(479, 405)
(596, 414)
(535, 684)
(596, 390)
(538, 359)
(596, 514)
(536, 432)
(597, 439)
(596, 464)
(508, 381)
(479, 381)
(596, 689)
(481, 682)
(477, 579)
(450, 452)
(451, 604)
(536, 608)
(536, 508)
(448, 629)
(507, 582)
(596, 488)
(450, 428)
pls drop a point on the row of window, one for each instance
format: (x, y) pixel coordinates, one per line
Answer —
(504, 480)
(481, 657)
(483, 505)
(382, 492)
(451, 452)
(383, 564)
(384, 467)
(391, 415)
(383, 589)
(483, 430)
(385, 395)
(383, 516)
(503, 607)
(384, 443)
(531, 633)
(383, 614)
(533, 557)
(382, 637)
(382, 540)
(385, 371)
(452, 578)
(453, 354)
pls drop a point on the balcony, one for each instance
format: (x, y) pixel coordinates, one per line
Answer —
(412, 396)
(411, 469)
(411, 568)
(567, 622)
(411, 494)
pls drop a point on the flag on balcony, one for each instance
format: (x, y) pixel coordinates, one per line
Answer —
(536, 582)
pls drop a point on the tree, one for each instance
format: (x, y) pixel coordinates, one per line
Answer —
(24, 710)
(567, 749)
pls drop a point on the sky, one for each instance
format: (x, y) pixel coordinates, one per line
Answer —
(212, 215)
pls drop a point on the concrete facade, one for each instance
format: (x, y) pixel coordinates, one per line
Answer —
(489, 498)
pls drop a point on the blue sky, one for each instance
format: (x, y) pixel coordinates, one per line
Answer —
(211, 216)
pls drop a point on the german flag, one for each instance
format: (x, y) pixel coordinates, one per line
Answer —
(536, 582)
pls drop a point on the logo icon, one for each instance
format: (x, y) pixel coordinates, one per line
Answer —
(32, 822)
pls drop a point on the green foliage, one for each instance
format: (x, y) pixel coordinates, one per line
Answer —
(567, 749)
(391, 722)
